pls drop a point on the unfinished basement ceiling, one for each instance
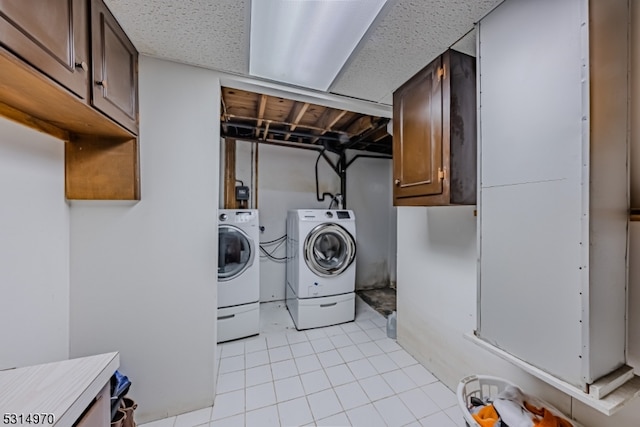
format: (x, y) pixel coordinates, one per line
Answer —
(258, 117)
(406, 36)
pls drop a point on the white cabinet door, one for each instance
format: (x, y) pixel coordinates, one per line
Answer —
(553, 203)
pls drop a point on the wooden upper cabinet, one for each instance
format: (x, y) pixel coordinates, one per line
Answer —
(114, 67)
(52, 36)
(434, 134)
(418, 135)
(50, 82)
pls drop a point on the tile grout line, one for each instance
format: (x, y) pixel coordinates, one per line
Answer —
(289, 340)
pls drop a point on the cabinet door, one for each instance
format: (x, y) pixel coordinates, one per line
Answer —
(115, 68)
(52, 36)
(417, 136)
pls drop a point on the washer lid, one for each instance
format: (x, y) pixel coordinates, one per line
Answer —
(236, 252)
(329, 249)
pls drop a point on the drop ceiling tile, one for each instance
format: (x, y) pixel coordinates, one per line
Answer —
(199, 32)
(408, 36)
(405, 37)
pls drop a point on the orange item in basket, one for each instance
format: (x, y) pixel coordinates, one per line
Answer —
(487, 416)
(548, 419)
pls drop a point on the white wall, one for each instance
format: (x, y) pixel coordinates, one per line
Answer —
(286, 180)
(143, 275)
(34, 248)
(370, 195)
(437, 259)
(436, 290)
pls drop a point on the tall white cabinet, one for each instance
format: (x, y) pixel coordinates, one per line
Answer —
(553, 203)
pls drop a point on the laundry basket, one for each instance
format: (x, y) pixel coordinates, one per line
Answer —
(487, 387)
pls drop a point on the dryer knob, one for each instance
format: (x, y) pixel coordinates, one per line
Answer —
(329, 214)
(223, 217)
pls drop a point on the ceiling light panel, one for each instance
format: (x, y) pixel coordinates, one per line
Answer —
(306, 42)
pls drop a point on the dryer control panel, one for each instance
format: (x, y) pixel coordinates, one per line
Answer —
(237, 217)
(338, 214)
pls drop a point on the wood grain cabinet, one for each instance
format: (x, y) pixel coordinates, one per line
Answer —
(115, 68)
(52, 36)
(434, 134)
(48, 81)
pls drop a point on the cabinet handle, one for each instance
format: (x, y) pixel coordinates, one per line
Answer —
(396, 182)
(331, 304)
(102, 83)
(82, 65)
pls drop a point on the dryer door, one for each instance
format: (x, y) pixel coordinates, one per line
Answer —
(235, 252)
(329, 250)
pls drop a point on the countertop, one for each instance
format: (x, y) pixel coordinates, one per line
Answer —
(63, 389)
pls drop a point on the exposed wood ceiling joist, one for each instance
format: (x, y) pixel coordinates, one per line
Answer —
(271, 119)
(260, 115)
(328, 120)
(297, 112)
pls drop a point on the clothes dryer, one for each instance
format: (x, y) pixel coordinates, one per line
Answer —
(238, 274)
(321, 267)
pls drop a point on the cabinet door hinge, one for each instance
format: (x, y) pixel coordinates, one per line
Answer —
(441, 73)
(441, 174)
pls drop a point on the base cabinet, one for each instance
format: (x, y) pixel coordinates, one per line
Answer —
(74, 392)
(434, 134)
(98, 414)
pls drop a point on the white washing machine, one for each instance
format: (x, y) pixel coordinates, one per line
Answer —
(238, 274)
(321, 267)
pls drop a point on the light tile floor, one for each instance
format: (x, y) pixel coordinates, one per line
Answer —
(343, 375)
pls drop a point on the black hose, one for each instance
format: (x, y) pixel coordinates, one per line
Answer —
(271, 256)
(324, 195)
(274, 240)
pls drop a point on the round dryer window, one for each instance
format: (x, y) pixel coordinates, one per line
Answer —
(329, 250)
(235, 252)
